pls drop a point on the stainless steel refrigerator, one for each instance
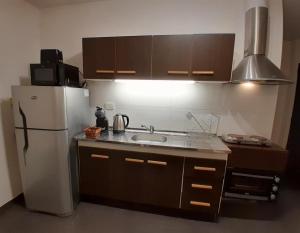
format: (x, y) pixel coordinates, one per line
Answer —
(46, 120)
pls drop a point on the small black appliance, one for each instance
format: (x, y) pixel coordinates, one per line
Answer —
(101, 120)
(50, 56)
(54, 75)
(53, 72)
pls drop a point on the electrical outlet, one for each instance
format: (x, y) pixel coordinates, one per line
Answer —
(109, 106)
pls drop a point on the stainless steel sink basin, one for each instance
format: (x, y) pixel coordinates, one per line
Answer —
(171, 133)
(149, 138)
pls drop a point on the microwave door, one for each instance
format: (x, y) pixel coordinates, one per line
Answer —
(43, 74)
(42, 107)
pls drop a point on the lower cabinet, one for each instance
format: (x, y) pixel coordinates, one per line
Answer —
(175, 183)
(130, 176)
(99, 172)
(202, 186)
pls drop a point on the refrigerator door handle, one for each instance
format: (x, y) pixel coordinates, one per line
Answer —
(25, 148)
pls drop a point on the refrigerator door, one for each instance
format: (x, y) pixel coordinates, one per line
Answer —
(45, 171)
(39, 107)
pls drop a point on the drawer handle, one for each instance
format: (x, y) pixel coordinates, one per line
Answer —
(202, 186)
(126, 72)
(134, 160)
(155, 162)
(178, 72)
(105, 71)
(207, 169)
(203, 72)
(99, 156)
(200, 203)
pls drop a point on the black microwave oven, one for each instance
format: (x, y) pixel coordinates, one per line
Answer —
(52, 74)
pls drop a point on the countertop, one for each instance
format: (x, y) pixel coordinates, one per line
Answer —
(200, 142)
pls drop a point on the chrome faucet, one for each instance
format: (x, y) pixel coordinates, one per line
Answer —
(151, 128)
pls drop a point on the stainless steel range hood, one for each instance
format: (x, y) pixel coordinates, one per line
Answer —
(256, 67)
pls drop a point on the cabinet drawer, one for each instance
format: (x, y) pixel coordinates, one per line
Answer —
(204, 169)
(200, 197)
(199, 206)
(208, 191)
(205, 189)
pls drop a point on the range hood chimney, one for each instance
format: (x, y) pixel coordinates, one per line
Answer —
(255, 66)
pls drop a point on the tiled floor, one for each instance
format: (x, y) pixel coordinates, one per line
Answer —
(283, 216)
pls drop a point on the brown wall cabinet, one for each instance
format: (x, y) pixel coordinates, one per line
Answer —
(153, 180)
(133, 56)
(99, 57)
(117, 57)
(171, 56)
(202, 57)
(212, 57)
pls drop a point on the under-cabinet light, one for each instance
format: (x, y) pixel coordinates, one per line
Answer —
(248, 85)
(155, 81)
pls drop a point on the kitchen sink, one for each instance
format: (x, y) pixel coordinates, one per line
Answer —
(149, 138)
(171, 133)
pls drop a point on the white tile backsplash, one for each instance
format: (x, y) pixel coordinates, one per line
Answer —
(165, 105)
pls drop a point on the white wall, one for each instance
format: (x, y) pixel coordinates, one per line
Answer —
(242, 110)
(20, 43)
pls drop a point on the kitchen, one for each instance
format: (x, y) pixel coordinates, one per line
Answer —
(168, 108)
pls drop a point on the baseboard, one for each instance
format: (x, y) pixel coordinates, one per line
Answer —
(18, 199)
(150, 209)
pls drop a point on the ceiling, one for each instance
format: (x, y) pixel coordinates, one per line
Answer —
(52, 3)
(291, 14)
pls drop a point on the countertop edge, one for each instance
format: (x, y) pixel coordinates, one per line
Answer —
(189, 153)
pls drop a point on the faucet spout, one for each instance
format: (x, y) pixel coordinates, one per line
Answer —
(151, 128)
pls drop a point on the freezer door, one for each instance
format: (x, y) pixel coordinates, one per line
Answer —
(40, 107)
(45, 172)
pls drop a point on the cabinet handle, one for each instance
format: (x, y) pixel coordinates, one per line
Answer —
(207, 169)
(178, 72)
(200, 203)
(99, 156)
(134, 160)
(203, 72)
(105, 71)
(155, 162)
(126, 72)
(202, 186)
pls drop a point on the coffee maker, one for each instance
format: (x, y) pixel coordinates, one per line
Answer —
(101, 120)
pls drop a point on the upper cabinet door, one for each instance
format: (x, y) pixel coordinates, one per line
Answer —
(203, 57)
(99, 57)
(133, 56)
(212, 57)
(171, 57)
